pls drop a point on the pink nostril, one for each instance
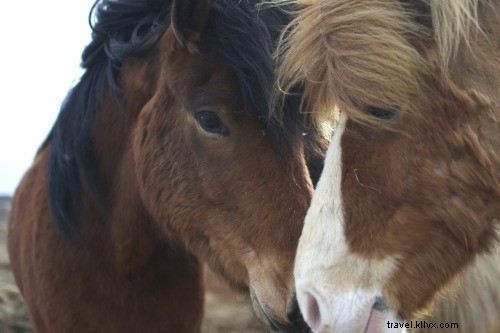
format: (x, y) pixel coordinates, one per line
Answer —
(312, 312)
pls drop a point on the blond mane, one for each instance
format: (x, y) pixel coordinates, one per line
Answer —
(454, 22)
(357, 53)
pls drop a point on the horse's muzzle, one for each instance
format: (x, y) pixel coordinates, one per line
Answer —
(298, 325)
(295, 317)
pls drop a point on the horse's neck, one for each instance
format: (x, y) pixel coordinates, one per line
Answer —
(480, 71)
(476, 62)
(135, 257)
(130, 231)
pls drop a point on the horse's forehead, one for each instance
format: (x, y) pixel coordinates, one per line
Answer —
(197, 65)
(192, 75)
(326, 207)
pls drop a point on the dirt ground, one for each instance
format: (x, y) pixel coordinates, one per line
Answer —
(225, 311)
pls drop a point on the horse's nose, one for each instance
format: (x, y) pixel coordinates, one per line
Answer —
(365, 312)
(295, 316)
(312, 312)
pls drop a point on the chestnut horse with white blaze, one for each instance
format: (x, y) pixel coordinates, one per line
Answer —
(409, 197)
(162, 158)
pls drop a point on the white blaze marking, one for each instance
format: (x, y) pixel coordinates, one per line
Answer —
(322, 242)
(344, 283)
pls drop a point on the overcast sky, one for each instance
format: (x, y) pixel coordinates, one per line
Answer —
(41, 43)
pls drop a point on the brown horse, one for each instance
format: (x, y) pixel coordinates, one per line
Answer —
(410, 194)
(162, 158)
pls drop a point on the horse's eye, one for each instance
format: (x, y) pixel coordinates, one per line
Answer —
(211, 122)
(380, 113)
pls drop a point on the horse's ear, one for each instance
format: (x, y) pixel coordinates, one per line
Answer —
(188, 20)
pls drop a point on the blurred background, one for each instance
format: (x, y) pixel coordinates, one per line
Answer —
(41, 44)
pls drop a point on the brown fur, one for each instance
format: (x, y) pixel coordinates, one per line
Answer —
(450, 187)
(428, 190)
(177, 197)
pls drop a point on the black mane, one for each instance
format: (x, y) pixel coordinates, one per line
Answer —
(241, 33)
